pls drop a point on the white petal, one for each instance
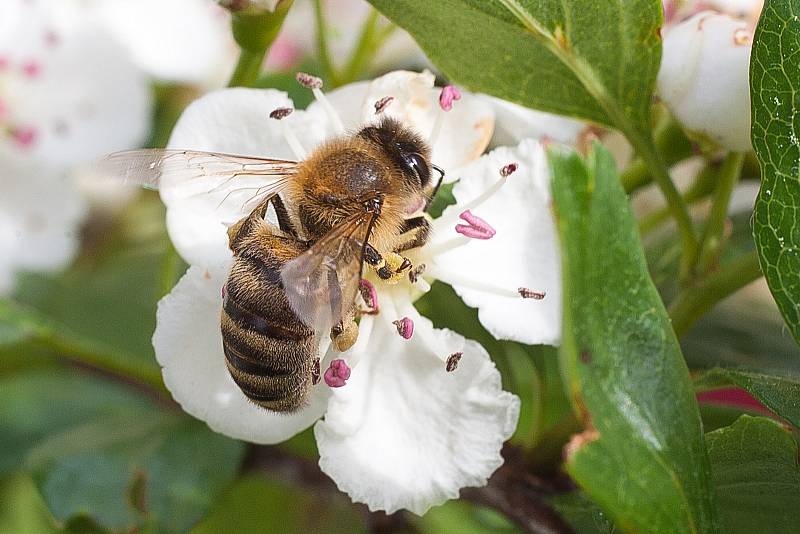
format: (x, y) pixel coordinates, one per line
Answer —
(188, 345)
(464, 133)
(513, 123)
(234, 121)
(40, 215)
(403, 432)
(523, 253)
(86, 97)
(704, 77)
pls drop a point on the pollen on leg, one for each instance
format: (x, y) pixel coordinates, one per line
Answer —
(405, 327)
(337, 373)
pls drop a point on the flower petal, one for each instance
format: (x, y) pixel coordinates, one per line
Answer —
(40, 214)
(513, 123)
(464, 132)
(234, 121)
(523, 253)
(405, 433)
(188, 345)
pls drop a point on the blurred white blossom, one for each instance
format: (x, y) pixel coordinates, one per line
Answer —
(68, 93)
(704, 77)
(423, 413)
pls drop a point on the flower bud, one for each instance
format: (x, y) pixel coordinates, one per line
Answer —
(704, 78)
(256, 23)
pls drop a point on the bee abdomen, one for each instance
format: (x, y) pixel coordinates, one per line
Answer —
(268, 351)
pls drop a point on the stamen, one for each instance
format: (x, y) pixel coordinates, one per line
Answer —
(405, 327)
(476, 228)
(337, 374)
(31, 69)
(415, 273)
(444, 246)
(369, 294)
(505, 172)
(452, 361)
(315, 84)
(526, 293)
(449, 94)
(455, 279)
(316, 372)
(24, 136)
(508, 170)
(279, 114)
(381, 104)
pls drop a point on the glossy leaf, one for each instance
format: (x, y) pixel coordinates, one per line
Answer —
(581, 514)
(21, 507)
(781, 394)
(756, 475)
(642, 457)
(593, 60)
(776, 127)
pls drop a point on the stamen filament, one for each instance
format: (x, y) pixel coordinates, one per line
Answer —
(470, 283)
(444, 246)
(326, 105)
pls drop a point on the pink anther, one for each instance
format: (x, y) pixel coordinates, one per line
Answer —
(381, 104)
(24, 136)
(308, 81)
(32, 69)
(449, 94)
(476, 228)
(405, 327)
(369, 294)
(508, 170)
(337, 374)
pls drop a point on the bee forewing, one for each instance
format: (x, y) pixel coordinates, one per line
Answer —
(322, 283)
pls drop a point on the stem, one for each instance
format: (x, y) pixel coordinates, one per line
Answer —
(692, 302)
(247, 68)
(715, 225)
(635, 176)
(365, 49)
(323, 51)
(642, 142)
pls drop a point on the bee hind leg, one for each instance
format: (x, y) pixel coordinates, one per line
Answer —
(345, 332)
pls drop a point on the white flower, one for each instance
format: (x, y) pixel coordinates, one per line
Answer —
(66, 96)
(403, 432)
(515, 123)
(704, 77)
(184, 41)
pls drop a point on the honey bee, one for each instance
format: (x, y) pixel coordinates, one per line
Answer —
(356, 200)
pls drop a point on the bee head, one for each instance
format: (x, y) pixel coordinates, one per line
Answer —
(408, 152)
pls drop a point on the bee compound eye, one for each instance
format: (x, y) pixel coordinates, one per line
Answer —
(416, 163)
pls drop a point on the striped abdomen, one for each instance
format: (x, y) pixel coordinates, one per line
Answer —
(268, 351)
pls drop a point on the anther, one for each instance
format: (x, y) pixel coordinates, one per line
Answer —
(337, 374)
(526, 293)
(381, 104)
(476, 228)
(452, 361)
(316, 371)
(31, 69)
(414, 274)
(25, 136)
(280, 113)
(508, 170)
(405, 327)
(308, 81)
(449, 94)
(369, 294)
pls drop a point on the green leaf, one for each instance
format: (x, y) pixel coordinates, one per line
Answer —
(100, 450)
(781, 394)
(584, 516)
(642, 457)
(755, 471)
(18, 324)
(776, 126)
(266, 505)
(593, 60)
(464, 518)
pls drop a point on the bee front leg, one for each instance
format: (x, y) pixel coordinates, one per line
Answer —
(389, 266)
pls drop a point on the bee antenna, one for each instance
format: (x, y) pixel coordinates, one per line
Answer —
(438, 183)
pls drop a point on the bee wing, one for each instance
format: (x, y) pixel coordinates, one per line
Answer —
(322, 283)
(239, 181)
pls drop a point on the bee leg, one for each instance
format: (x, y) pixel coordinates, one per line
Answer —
(344, 333)
(244, 227)
(284, 221)
(415, 232)
(389, 266)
